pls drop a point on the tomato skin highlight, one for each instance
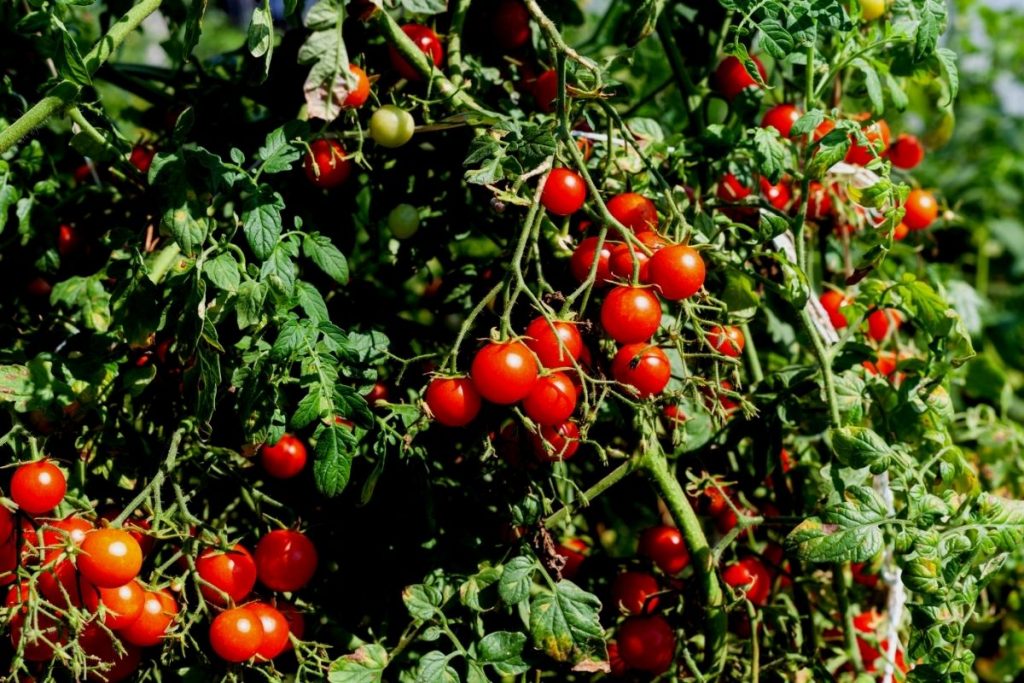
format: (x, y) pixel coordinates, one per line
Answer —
(921, 209)
(564, 192)
(551, 400)
(109, 558)
(275, 631)
(504, 372)
(731, 77)
(554, 349)
(644, 367)
(284, 459)
(38, 486)
(635, 592)
(123, 604)
(236, 634)
(232, 571)
(158, 613)
(647, 643)
(454, 401)
(286, 560)
(781, 117)
(677, 271)
(635, 211)
(325, 164)
(665, 547)
(429, 44)
(778, 195)
(630, 314)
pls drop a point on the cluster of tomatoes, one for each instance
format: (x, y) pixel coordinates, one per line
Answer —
(73, 579)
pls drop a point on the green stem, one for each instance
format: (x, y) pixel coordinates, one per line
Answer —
(840, 578)
(155, 482)
(605, 483)
(750, 350)
(455, 41)
(163, 262)
(825, 365)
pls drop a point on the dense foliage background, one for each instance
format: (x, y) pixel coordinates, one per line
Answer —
(192, 276)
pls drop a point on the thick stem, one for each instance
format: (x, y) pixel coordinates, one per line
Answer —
(606, 482)
(455, 41)
(825, 364)
(841, 585)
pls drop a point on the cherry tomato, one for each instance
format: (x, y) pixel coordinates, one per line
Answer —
(677, 272)
(39, 288)
(379, 392)
(675, 415)
(635, 592)
(731, 190)
(555, 348)
(110, 665)
(109, 558)
(781, 117)
(778, 195)
(871, 9)
(453, 401)
(138, 527)
(556, 442)
(545, 91)
(731, 77)
(38, 648)
(236, 634)
(900, 232)
(880, 321)
(647, 643)
(906, 152)
(728, 340)
(285, 560)
(921, 208)
(158, 613)
(232, 572)
(325, 164)
(551, 400)
(284, 459)
(360, 92)
(644, 367)
(664, 546)
(38, 486)
(786, 462)
(615, 663)
(564, 192)
(574, 551)
(275, 631)
(391, 126)
(142, 157)
(510, 24)
(58, 583)
(504, 372)
(634, 211)
(68, 240)
(428, 43)
(621, 262)
(877, 134)
(404, 221)
(832, 301)
(583, 259)
(291, 614)
(631, 314)
(819, 202)
(121, 605)
(751, 577)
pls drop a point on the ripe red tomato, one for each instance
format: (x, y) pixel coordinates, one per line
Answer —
(647, 643)
(877, 134)
(832, 301)
(635, 592)
(731, 77)
(453, 401)
(819, 201)
(109, 558)
(635, 211)
(545, 91)
(138, 527)
(68, 240)
(551, 400)
(621, 262)
(675, 415)
(285, 560)
(236, 634)
(751, 577)
(564, 192)
(664, 546)
(504, 372)
(121, 605)
(880, 321)
(900, 232)
(583, 259)
(232, 572)
(510, 24)
(58, 583)
(142, 157)
(379, 392)
(556, 442)
(39, 288)
(731, 190)
(728, 340)
(158, 613)
(644, 367)
(786, 462)
(874, 657)
(325, 164)
(618, 667)
(554, 348)
(275, 631)
(574, 551)
(284, 459)
(677, 271)
(906, 152)
(109, 665)
(38, 648)
(781, 117)
(428, 43)
(71, 529)
(38, 486)
(358, 95)
(291, 614)
(922, 209)
(778, 195)
(630, 314)
(823, 129)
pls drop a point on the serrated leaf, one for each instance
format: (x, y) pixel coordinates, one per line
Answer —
(261, 221)
(328, 258)
(504, 651)
(425, 6)
(249, 304)
(333, 464)
(434, 668)
(311, 302)
(860, 447)
(872, 83)
(15, 385)
(223, 272)
(770, 153)
(947, 62)
(565, 623)
(807, 123)
(775, 39)
(278, 153)
(365, 665)
(516, 579)
(279, 271)
(814, 541)
(422, 601)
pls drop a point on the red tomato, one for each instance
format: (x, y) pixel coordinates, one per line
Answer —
(864, 575)
(823, 129)
(880, 321)
(428, 43)
(630, 314)
(510, 24)
(504, 372)
(635, 592)
(38, 486)
(728, 340)
(564, 192)
(555, 348)
(58, 583)
(819, 202)
(922, 209)
(556, 442)
(832, 301)
(284, 459)
(275, 631)
(583, 259)
(110, 665)
(634, 211)
(291, 614)
(647, 643)
(885, 364)
(236, 634)
(158, 613)
(551, 400)
(618, 667)
(109, 558)
(621, 262)
(545, 91)
(121, 605)
(379, 392)
(453, 401)
(644, 367)
(39, 288)
(232, 572)
(675, 415)
(786, 462)
(358, 95)
(751, 577)
(72, 529)
(906, 152)
(68, 240)
(901, 232)
(778, 195)
(325, 164)
(575, 552)
(677, 271)
(877, 134)
(731, 190)
(664, 546)
(285, 560)
(142, 157)
(781, 117)
(38, 648)
(731, 77)
(138, 527)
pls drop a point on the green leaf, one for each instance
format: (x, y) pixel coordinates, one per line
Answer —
(278, 153)
(333, 464)
(88, 295)
(261, 220)
(425, 6)
(872, 83)
(516, 579)
(770, 153)
(422, 601)
(15, 385)
(223, 272)
(947, 63)
(365, 665)
(72, 66)
(8, 196)
(775, 39)
(260, 39)
(320, 250)
(279, 271)
(807, 123)
(849, 530)
(470, 591)
(565, 623)
(434, 668)
(249, 304)
(504, 651)
(311, 302)
(861, 447)
(327, 84)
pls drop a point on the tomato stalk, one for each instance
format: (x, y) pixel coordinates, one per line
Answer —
(841, 580)
(455, 41)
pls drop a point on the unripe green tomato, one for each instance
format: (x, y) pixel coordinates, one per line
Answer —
(871, 9)
(391, 126)
(404, 221)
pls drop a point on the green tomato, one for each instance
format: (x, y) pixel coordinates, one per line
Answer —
(404, 221)
(871, 9)
(391, 126)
